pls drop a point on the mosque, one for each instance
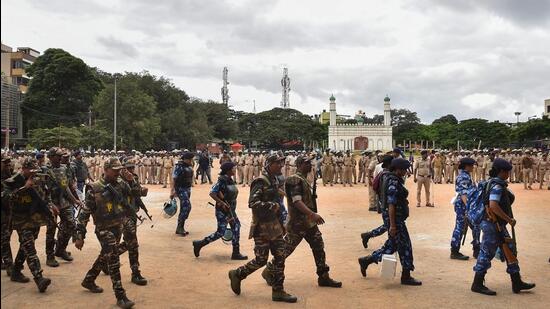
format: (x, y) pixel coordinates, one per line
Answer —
(360, 136)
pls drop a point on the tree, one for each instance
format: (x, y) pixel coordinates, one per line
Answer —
(61, 90)
(163, 91)
(450, 119)
(531, 130)
(218, 117)
(57, 136)
(185, 125)
(137, 121)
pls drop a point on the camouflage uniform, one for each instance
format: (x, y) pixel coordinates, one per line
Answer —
(7, 258)
(266, 229)
(109, 215)
(29, 211)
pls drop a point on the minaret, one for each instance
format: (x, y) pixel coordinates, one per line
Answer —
(387, 111)
(332, 110)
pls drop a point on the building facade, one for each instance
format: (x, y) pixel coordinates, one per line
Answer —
(15, 63)
(342, 137)
(547, 107)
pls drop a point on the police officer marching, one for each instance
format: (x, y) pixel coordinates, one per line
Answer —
(182, 180)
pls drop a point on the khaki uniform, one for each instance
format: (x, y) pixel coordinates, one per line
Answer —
(479, 175)
(347, 167)
(327, 165)
(370, 175)
(423, 177)
(363, 164)
(527, 163)
(248, 166)
(544, 171)
(487, 165)
(147, 162)
(449, 162)
(354, 169)
(291, 165)
(168, 166)
(338, 169)
(438, 164)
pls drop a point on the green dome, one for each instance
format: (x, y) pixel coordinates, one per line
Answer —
(332, 98)
(386, 99)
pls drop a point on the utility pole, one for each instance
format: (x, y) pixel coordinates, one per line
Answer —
(285, 82)
(225, 90)
(254, 107)
(114, 130)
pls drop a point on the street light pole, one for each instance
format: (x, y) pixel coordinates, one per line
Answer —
(114, 129)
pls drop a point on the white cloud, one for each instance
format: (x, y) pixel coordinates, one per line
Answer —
(470, 58)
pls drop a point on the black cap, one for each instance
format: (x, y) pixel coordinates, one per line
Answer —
(227, 166)
(400, 163)
(187, 155)
(302, 159)
(467, 161)
(501, 164)
(386, 161)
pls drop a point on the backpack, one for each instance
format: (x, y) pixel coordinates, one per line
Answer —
(477, 199)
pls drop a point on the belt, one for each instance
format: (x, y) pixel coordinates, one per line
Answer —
(423, 175)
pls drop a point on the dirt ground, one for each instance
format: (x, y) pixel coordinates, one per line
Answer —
(179, 280)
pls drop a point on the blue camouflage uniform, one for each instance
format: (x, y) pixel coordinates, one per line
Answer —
(396, 194)
(183, 174)
(463, 185)
(229, 189)
(492, 237)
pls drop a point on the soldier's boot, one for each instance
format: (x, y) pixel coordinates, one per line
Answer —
(236, 255)
(42, 283)
(327, 281)
(407, 279)
(479, 287)
(179, 229)
(17, 276)
(123, 302)
(51, 261)
(282, 296)
(475, 252)
(266, 274)
(91, 286)
(518, 285)
(3, 267)
(9, 268)
(364, 262)
(197, 246)
(235, 279)
(137, 278)
(456, 255)
(365, 237)
(64, 255)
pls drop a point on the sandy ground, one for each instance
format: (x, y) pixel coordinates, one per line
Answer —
(179, 280)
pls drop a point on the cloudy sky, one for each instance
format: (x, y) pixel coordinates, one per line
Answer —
(471, 58)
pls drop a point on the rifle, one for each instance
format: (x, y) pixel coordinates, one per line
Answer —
(119, 199)
(314, 191)
(141, 205)
(228, 212)
(465, 230)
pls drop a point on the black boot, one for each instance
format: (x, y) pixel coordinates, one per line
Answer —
(236, 255)
(518, 285)
(17, 276)
(327, 281)
(179, 229)
(365, 238)
(282, 296)
(235, 281)
(91, 286)
(479, 287)
(124, 302)
(42, 283)
(197, 246)
(364, 262)
(9, 268)
(138, 279)
(64, 255)
(456, 255)
(406, 279)
(51, 261)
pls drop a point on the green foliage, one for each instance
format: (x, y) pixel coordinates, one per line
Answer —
(185, 125)
(61, 90)
(137, 121)
(531, 130)
(450, 119)
(275, 127)
(57, 136)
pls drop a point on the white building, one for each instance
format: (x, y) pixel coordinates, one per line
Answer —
(342, 137)
(547, 108)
